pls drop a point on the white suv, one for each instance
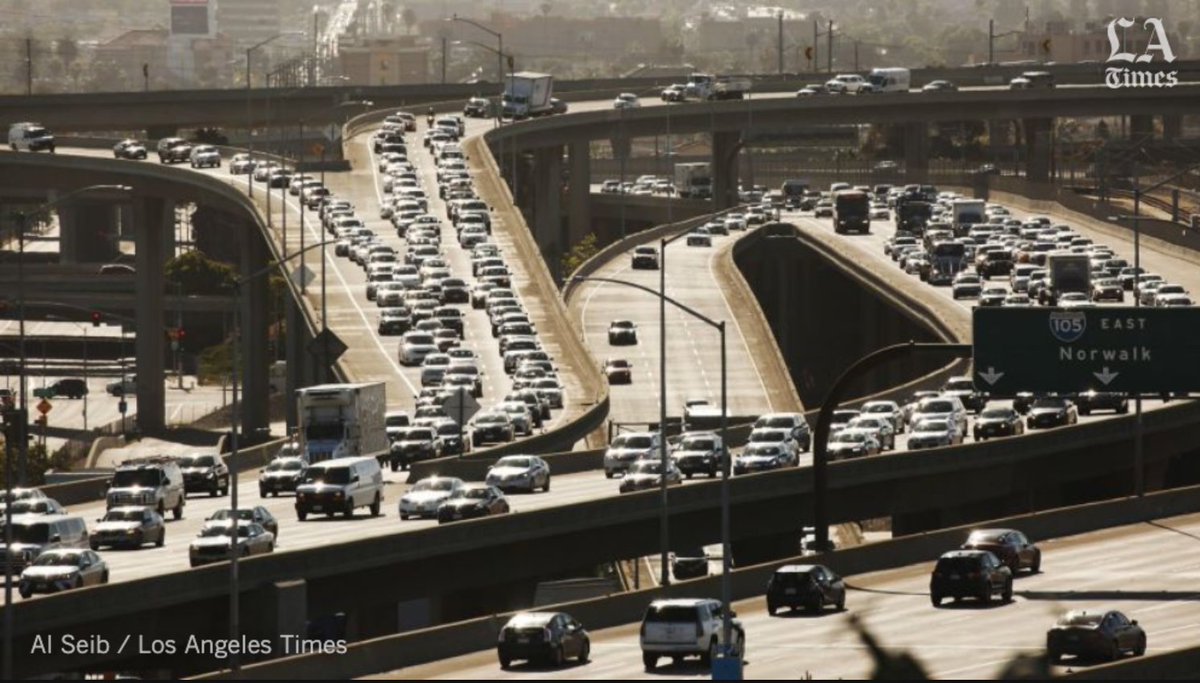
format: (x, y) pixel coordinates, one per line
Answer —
(684, 627)
(942, 407)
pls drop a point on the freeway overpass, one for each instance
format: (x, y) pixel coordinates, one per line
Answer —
(1011, 481)
(163, 113)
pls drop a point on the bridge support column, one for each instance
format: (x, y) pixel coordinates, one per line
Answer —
(547, 204)
(724, 168)
(253, 322)
(579, 220)
(1141, 127)
(916, 152)
(150, 344)
(1037, 150)
(1172, 126)
(88, 231)
(300, 363)
(998, 133)
(278, 609)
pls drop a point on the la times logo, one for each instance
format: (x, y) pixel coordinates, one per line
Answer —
(1125, 77)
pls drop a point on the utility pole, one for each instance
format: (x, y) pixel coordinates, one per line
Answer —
(816, 57)
(991, 41)
(829, 49)
(145, 77)
(28, 66)
(856, 55)
(443, 59)
(780, 41)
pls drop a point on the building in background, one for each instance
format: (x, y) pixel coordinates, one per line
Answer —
(392, 60)
(248, 22)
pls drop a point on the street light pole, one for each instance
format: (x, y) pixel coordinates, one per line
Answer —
(249, 119)
(726, 465)
(499, 46)
(235, 540)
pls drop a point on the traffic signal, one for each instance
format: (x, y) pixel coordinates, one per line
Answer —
(96, 317)
(1046, 46)
(180, 333)
(808, 53)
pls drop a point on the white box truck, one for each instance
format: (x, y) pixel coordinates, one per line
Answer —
(526, 94)
(694, 180)
(966, 212)
(711, 87)
(343, 420)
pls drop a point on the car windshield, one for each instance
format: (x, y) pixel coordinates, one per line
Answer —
(434, 485)
(781, 422)
(849, 437)
(984, 537)
(418, 435)
(960, 385)
(514, 462)
(243, 514)
(197, 461)
(646, 467)
(958, 565)
(282, 465)
(420, 339)
(996, 413)
(698, 444)
(31, 533)
(670, 613)
(637, 442)
(492, 419)
(761, 449)
(224, 530)
(327, 475)
(58, 560)
(478, 492)
(131, 478)
(1080, 619)
(770, 435)
(937, 407)
(1050, 403)
(123, 516)
(932, 426)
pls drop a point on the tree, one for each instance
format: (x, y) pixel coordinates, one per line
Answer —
(582, 251)
(198, 274)
(67, 50)
(37, 464)
(409, 17)
(545, 7)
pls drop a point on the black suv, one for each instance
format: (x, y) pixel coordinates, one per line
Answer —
(970, 574)
(71, 388)
(174, 150)
(204, 472)
(811, 586)
(690, 563)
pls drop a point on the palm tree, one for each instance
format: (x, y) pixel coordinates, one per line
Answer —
(545, 7)
(409, 17)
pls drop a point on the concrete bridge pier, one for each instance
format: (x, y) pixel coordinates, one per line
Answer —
(1038, 150)
(1141, 127)
(150, 345)
(547, 204)
(916, 152)
(725, 168)
(254, 338)
(88, 231)
(1172, 126)
(579, 213)
(301, 365)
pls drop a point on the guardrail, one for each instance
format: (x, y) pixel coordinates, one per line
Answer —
(390, 653)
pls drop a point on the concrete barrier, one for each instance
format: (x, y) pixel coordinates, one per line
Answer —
(1177, 665)
(472, 468)
(76, 492)
(418, 647)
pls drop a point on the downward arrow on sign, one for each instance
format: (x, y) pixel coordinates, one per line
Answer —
(991, 376)
(1105, 376)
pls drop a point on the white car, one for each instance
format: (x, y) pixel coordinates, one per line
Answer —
(627, 448)
(847, 83)
(626, 100)
(423, 499)
(415, 346)
(527, 472)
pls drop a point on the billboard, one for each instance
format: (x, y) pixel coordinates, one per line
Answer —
(189, 17)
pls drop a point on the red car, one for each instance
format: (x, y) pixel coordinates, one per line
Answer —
(618, 371)
(1012, 547)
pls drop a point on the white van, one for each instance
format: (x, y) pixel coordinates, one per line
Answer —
(340, 485)
(889, 80)
(30, 137)
(34, 534)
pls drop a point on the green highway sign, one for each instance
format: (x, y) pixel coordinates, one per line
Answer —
(1123, 349)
